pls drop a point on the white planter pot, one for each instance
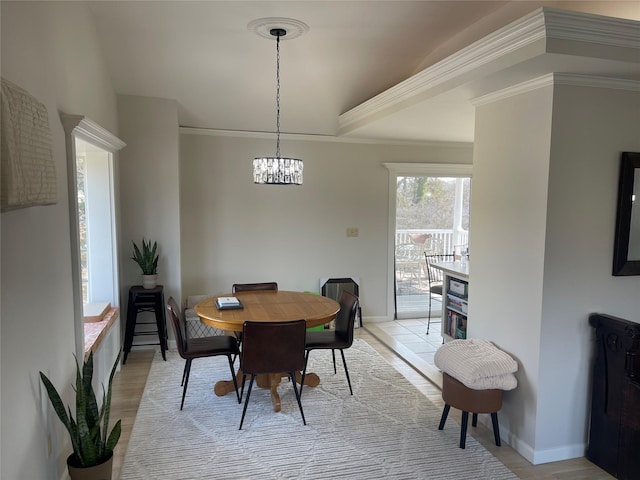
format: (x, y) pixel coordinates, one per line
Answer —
(149, 281)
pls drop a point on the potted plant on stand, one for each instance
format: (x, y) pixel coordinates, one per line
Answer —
(147, 259)
(92, 455)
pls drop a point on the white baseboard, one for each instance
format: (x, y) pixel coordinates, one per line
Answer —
(565, 452)
(536, 457)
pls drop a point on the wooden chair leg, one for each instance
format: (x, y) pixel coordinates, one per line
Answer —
(474, 420)
(463, 429)
(443, 419)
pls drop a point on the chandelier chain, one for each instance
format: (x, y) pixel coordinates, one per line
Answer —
(278, 97)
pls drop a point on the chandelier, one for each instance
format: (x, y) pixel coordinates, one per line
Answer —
(277, 170)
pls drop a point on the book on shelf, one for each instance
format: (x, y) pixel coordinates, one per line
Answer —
(228, 303)
(457, 303)
(461, 334)
(456, 299)
(458, 287)
(453, 321)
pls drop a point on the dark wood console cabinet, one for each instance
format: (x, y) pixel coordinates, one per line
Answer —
(614, 435)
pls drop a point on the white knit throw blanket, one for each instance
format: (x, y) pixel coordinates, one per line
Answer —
(478, 364)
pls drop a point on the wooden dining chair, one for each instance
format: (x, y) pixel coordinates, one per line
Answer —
(192, 348)
(272, 348)
(338, 339)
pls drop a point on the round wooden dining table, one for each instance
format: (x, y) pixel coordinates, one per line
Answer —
(267, 306)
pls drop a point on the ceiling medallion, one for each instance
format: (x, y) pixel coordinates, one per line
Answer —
(263, 27)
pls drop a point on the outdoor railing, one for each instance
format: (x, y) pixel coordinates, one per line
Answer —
(439, 240)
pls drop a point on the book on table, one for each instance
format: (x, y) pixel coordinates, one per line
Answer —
(228, 303)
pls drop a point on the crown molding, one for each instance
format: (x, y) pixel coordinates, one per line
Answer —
(519, 89)
(577, 80)
(90, 131)
(539, 26)
(525, 31)
(558, 79)
(585, 27)
(430, 169)
(318, 138)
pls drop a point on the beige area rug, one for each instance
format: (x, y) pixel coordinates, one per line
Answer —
(386, 430)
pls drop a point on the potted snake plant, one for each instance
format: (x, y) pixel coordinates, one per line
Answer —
(92, 455)
(147, 260)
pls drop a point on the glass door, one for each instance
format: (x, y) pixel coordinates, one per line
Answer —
(431, 216)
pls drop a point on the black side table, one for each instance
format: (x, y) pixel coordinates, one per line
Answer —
(145, 300)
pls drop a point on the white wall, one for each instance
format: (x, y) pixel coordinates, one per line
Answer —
(149, 190)
(508, 216)
(51, 50)
(546, 164)
(236, 231)
(591, 127)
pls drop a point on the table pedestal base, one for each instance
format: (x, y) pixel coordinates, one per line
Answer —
(270, 381)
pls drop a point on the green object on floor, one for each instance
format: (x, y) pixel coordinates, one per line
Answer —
(319, 328)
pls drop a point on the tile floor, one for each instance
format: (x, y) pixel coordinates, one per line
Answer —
(409, 340)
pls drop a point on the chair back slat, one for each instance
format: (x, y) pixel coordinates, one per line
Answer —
(434, 275)
(252, 287)
(273, 347)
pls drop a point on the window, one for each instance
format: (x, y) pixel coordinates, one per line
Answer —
(96, 223)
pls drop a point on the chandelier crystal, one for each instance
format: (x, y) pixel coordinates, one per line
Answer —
(277, 170)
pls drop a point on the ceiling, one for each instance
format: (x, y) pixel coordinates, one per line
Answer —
(222, 75)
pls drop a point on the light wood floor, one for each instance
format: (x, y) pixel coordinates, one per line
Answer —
(129, 383)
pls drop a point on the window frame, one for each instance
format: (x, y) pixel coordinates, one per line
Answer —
(79, 127)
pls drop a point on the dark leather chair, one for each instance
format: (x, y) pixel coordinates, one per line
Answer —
(252, 287)
(272, 348)
(434, 277)
(338, 339)
(199, 347)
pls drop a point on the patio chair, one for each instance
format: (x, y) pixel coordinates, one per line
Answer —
(408, 260)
